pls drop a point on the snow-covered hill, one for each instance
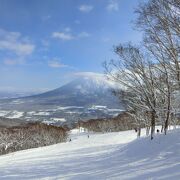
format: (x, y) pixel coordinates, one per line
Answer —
(101, 156)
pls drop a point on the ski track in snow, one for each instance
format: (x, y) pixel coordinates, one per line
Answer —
(101, 156)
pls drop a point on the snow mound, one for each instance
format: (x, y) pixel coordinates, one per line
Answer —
(163, 146)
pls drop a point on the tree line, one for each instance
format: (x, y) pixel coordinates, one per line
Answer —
(120, 123)
(31, 135)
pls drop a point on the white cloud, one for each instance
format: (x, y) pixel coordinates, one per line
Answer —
(67, 36)
(88, 74)
(86, 8)
(15, 43)
(11, 62)
(56, 63)
(99, 78)
(113, 5)
(83, 35)
(63, 36)
(67, 29)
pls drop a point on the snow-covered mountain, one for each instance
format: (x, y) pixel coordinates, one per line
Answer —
(86, 97)
(84, 91)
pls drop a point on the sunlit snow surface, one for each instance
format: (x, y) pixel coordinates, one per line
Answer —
(101, 156)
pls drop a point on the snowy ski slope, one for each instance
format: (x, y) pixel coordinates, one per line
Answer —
(101, 156)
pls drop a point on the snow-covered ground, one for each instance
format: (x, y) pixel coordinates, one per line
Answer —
(101, 156)
(41, 113)
(15, 114)
(3, 113)
(58, 119)
(54, 120)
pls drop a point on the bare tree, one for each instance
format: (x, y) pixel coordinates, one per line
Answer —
(152, 84)
(159, 20)
(139, 78)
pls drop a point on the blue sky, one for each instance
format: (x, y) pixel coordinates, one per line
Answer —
(44, 44)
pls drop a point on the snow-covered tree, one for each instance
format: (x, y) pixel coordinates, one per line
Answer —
(151, 75)
(138, 76)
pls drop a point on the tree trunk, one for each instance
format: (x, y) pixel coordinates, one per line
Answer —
(147, 131)
(168, 113)
(153, 120)
(162, 128)
(139, 132)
